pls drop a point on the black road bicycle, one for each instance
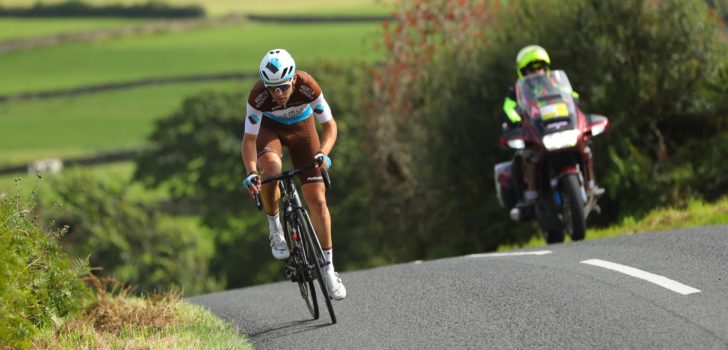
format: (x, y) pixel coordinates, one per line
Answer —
(305, 265)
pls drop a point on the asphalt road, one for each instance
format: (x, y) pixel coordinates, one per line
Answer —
(669, 291)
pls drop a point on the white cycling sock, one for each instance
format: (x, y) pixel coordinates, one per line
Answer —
(274, 224)
(329, 257)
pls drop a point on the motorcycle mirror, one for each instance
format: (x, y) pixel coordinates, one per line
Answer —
(516, 144)
(598, 124)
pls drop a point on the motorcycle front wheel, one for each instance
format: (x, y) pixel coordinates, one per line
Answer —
(573, 207)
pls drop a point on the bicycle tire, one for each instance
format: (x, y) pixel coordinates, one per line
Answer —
(315, 251)
(303, 276)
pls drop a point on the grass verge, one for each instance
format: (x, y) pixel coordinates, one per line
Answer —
(155, 322)
(695, 213)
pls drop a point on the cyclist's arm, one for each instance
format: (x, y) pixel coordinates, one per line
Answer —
(323, 115)
(328, 136)
(247, 147)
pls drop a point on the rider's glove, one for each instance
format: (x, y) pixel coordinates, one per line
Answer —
(322, 158)
(251, 180)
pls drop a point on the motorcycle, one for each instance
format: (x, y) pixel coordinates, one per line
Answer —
(555, 136)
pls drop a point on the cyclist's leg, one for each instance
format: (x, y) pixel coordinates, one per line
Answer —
(303, 142)
(269, 160)
(315, 195)
(270, 152)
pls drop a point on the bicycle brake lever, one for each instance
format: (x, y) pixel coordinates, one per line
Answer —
(327, 179)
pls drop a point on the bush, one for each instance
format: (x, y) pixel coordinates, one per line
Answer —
(132, 242)
(39, 284)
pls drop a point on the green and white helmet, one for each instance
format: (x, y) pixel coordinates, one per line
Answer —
(529, 55)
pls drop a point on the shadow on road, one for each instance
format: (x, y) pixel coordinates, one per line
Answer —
(286, 329)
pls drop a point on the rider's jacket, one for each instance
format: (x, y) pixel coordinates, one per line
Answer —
(511, 115)
(306, 100)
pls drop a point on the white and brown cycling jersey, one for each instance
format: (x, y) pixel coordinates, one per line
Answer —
(290, 125)
(306, 99)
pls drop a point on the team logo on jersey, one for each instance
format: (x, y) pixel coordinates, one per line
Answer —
(319, 109)
(306, 91)
(261, 98)
(254, 119)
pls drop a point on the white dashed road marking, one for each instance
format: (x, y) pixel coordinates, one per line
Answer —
(647, 276)
(487, 255)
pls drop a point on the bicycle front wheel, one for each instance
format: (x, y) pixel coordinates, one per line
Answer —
(301, 264)
(315, 258)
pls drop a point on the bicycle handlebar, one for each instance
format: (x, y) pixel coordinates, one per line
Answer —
(291, 173)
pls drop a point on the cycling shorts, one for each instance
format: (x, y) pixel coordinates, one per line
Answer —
(300, 138)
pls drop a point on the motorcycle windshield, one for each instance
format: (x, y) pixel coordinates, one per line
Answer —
(547, 100)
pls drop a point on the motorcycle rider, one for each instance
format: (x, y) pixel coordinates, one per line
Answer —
(532, 59)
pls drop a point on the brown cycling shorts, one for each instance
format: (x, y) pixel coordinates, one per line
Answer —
(300, 138)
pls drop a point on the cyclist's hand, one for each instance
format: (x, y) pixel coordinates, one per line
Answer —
(252, 183)
(322, 160)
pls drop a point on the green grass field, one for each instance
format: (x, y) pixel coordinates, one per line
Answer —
(212, 50)
(90, 123)
(223, 7)
(15, 28)
(87, 124)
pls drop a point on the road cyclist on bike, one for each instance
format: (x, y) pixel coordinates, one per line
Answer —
(278, 113)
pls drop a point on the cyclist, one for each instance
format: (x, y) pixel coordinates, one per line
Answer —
(279, 111)
(532, 59)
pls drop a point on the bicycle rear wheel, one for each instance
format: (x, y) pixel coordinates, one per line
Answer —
(300, 261)
(315, 258)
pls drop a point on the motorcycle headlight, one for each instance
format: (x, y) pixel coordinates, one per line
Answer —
(561, 139)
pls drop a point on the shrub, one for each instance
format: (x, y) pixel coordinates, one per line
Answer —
(39, 284)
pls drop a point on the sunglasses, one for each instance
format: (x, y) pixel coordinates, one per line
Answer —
(281, 88)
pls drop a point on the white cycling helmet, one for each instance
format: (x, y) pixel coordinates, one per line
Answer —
(277, 67)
